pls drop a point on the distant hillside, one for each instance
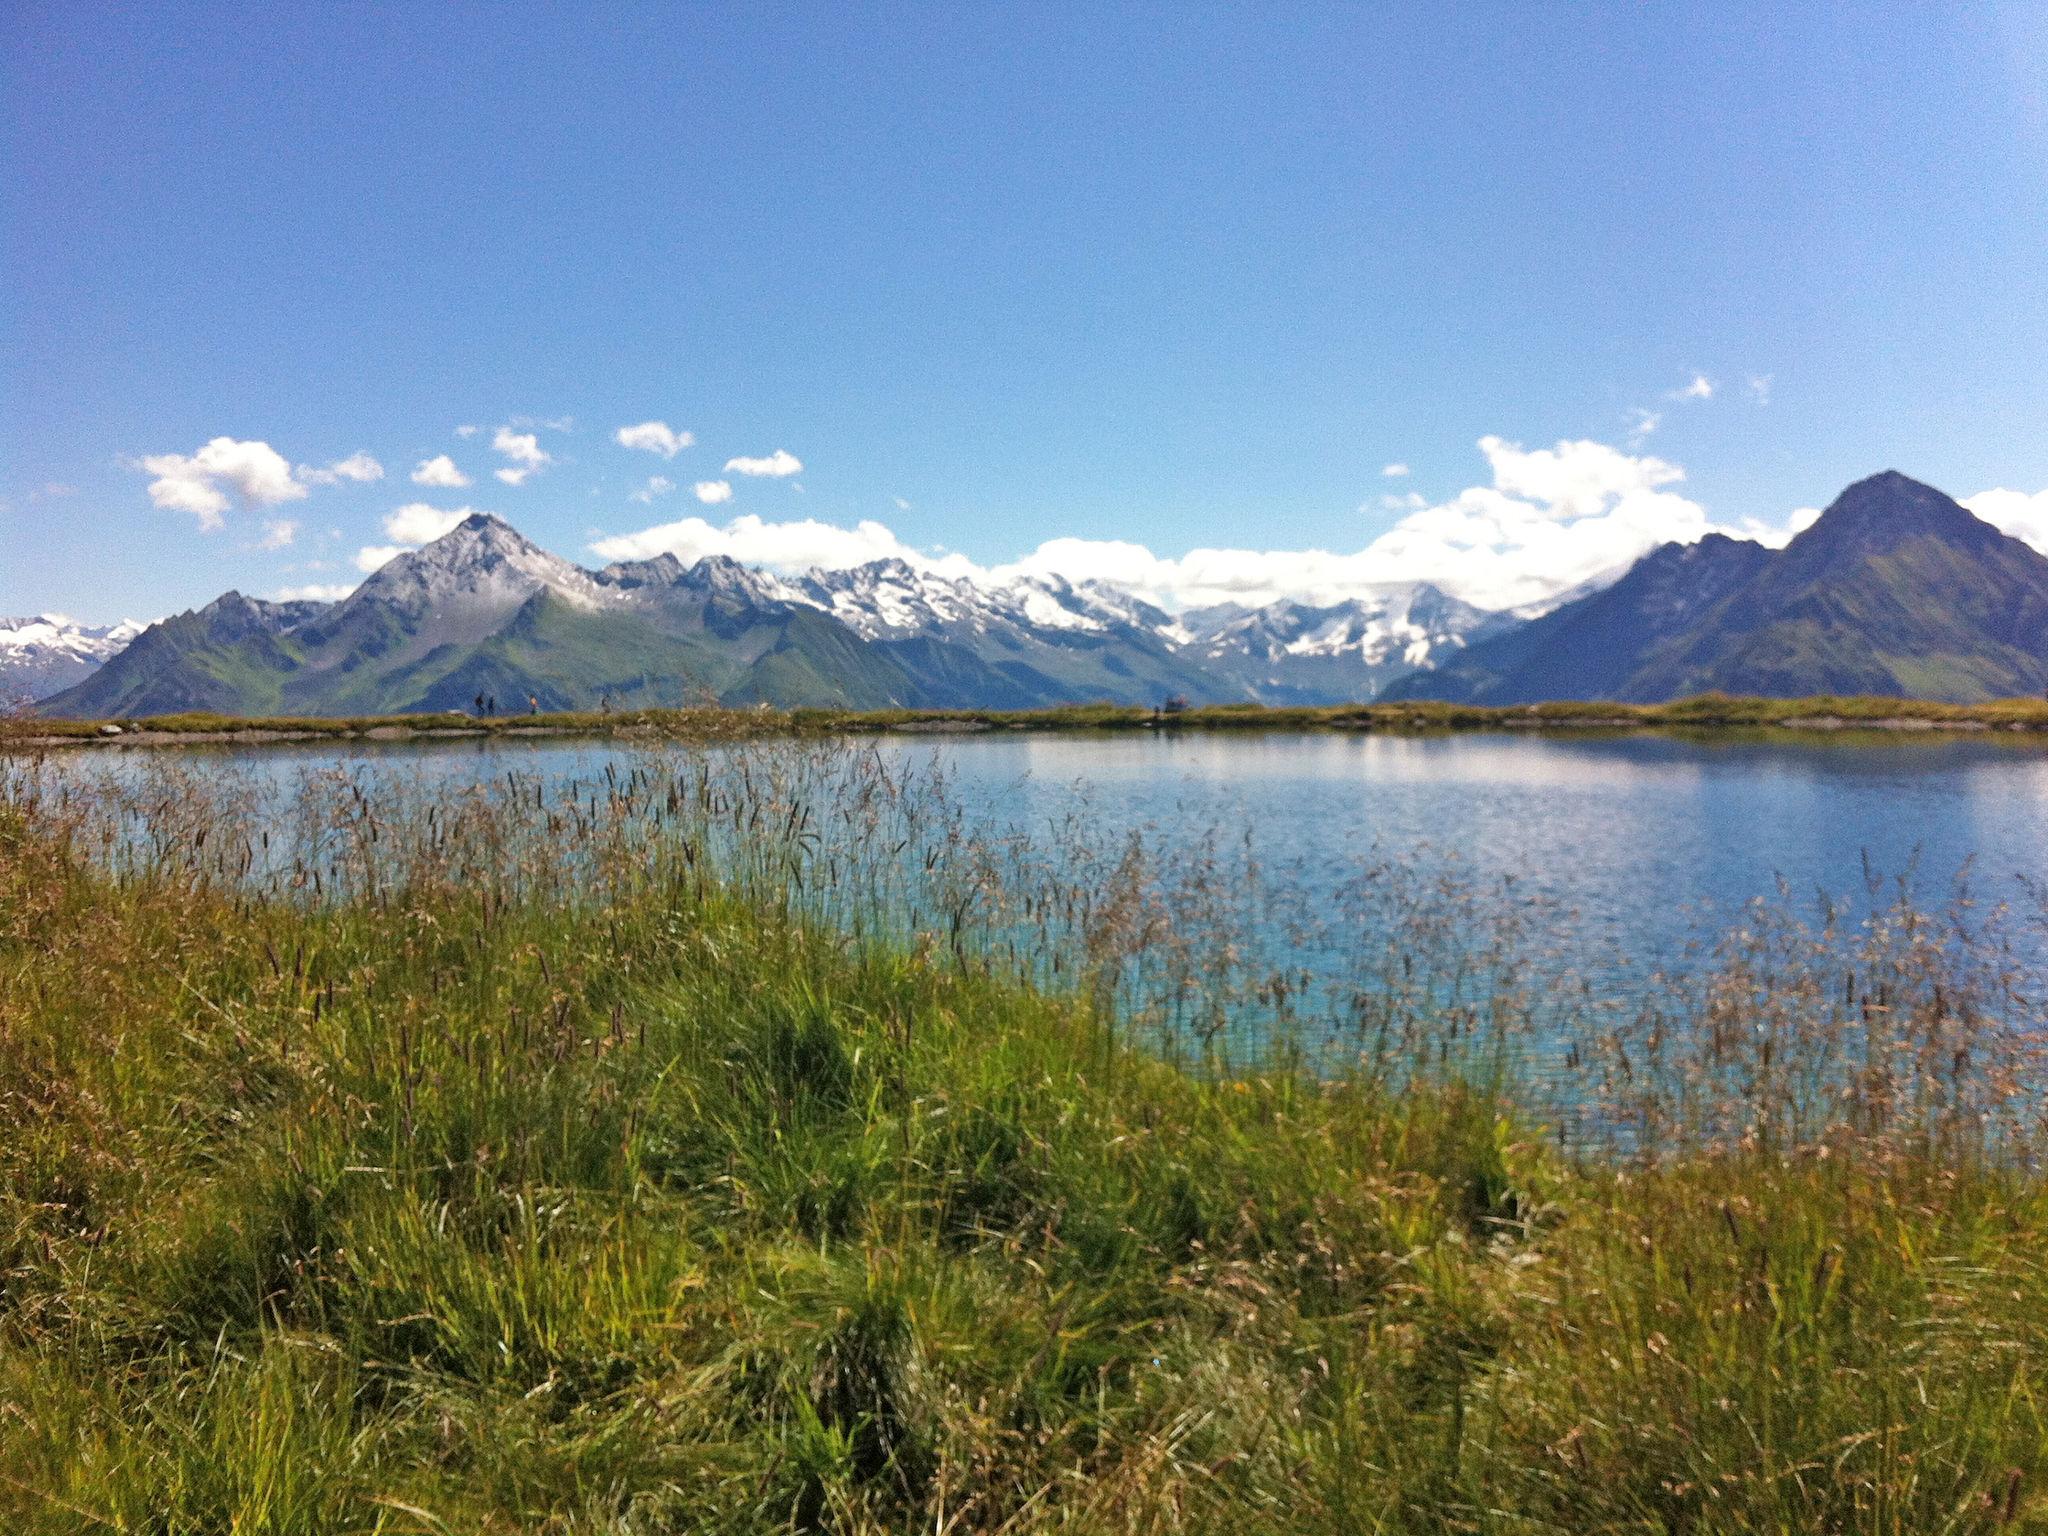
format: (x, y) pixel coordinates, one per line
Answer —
(1896, 591)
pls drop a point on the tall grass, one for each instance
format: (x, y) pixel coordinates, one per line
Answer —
(749, 1142)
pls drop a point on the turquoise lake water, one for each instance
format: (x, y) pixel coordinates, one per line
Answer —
(1634, 834)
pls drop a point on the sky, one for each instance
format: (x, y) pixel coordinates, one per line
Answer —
(1219, 302)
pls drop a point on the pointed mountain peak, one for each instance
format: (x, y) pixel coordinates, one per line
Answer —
(482, 563)
(486, 529)
(1889, 507)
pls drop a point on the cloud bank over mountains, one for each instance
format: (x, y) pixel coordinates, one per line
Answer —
(1548, 520)
(1544, 521)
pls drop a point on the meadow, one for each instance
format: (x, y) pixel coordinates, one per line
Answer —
(754, 1144)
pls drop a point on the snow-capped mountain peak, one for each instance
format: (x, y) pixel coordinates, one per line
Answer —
(479, 570)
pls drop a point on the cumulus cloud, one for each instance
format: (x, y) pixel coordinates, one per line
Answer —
(278, 533)
(712, 492)
(778, 465)
(1700, 388)
(466, 431)
(199, 483)
(1550, 519)
(1760, 388)
(654, 437)
(316, 591)
(372, 557)
(418, 523)
(440, 472)
(657, 485)
(2018, 513)
(1394, 471)
(1641, 424)
(358, 466)
(524, 450)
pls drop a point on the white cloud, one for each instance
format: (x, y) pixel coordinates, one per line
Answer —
(712, 492)
(358, 466)
(1394, 471)
(778, 465)
(418, 523)
(1700, 388)
(198, 483)
(317, 592)
(901, 504)
(373, 557)
(440, 472)
(657, 485)
(465, 431)
(1409, 501)
(278, 533)
(525, 452)
(654, 437)
(181, 493)
(1760, 388)
(1641, 424)
(2022, 515)
(1573, 479)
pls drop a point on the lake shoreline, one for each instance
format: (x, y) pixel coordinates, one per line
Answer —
(1706, 714)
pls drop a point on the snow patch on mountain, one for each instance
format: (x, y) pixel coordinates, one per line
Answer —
(49, 652)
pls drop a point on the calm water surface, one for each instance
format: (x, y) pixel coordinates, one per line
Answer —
(1637, 845)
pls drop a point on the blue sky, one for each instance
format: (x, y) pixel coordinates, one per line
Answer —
(1093, 287)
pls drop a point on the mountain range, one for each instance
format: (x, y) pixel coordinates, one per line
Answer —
(48, 653)
(1895, 589)
(483, 611)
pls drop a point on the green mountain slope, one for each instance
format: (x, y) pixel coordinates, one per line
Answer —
(233, 656)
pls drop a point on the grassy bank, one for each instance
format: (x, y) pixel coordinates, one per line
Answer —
(528, 1164)
(1708, 712)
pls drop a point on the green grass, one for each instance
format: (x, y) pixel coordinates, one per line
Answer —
(607, 1196)
(1703, 712)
